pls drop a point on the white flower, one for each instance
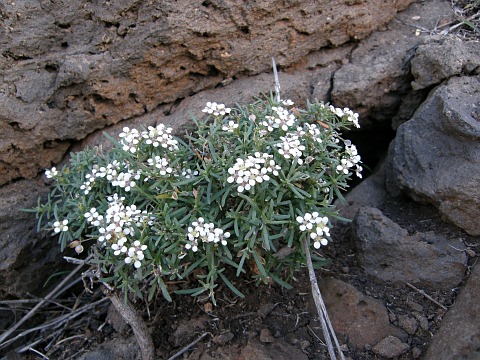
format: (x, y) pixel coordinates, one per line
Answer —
(161, 163)
(129, 138)
(135, 254)
(60, 226)
(351, 116)
(216, 109)
(316, 226)
(52, 173)
(287, 102)
(230, 127)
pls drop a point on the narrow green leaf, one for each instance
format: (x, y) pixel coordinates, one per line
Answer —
(231, 286)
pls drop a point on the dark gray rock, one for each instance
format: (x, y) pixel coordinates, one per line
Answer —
(435, 156)
(387, 252)
(440, 57)
(115, 349)
(25, 255)
(459, 333)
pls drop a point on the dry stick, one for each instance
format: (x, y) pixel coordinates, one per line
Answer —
(427, 296)
(139, 327)
(186, 348)
(57, 291)
(277, 82)
(328, 332)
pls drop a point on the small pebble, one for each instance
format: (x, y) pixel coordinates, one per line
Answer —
(266, 336)
(416, 352)
(410, 325)
(223, 338)
(390, 347)
(471, 253)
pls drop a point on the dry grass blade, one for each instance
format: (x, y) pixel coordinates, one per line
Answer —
(327, 327)
(60, 288)
(56, 322)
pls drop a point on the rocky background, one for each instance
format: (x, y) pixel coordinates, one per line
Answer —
(71, 70)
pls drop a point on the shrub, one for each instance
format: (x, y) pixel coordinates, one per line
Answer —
(243, 191)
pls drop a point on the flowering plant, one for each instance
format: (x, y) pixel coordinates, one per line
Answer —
(242, 191)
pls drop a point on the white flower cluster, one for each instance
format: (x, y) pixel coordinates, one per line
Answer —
(230, 127)
(287, 102)
(314, 131)
(160, 136)
(216, 109)
(113, 173)
(283, 119)
(155, 136)
(204, 232)
(316, 226)
(52, 173)
(255, 169)
(161, 163)
(351, 160)
(129, 139)
(351, 116)
(135, 254)
(60, 226)
(291, 147)
(93, 217)
(117, 224)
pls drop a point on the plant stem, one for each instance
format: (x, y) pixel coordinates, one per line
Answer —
(328, 331)
(133, 318)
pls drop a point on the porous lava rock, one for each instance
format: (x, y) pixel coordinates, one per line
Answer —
(435, 156)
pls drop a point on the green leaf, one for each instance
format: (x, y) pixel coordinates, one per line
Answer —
(164, 289)
(280, 281)
(231, 286)
(258, 261)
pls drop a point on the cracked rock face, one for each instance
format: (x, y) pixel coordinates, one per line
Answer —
(71, 68)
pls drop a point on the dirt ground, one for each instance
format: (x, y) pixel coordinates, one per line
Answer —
(268, 316)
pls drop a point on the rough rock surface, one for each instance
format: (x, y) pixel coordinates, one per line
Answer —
(353, 313)
(387, 252)
(459, 335)
(441, 57)
(21, 246)
(436, 155)
(71, 68)
(390, 347)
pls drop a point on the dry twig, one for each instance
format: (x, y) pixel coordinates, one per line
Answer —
(186, 348)
(427, 296)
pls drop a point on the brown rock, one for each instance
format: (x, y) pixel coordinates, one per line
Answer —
(64, 76)
(266, 336)
(187, 330)
(278, 350)
(361, 319)
(390, 347)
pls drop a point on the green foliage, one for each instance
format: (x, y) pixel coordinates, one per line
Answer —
(240, 192)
